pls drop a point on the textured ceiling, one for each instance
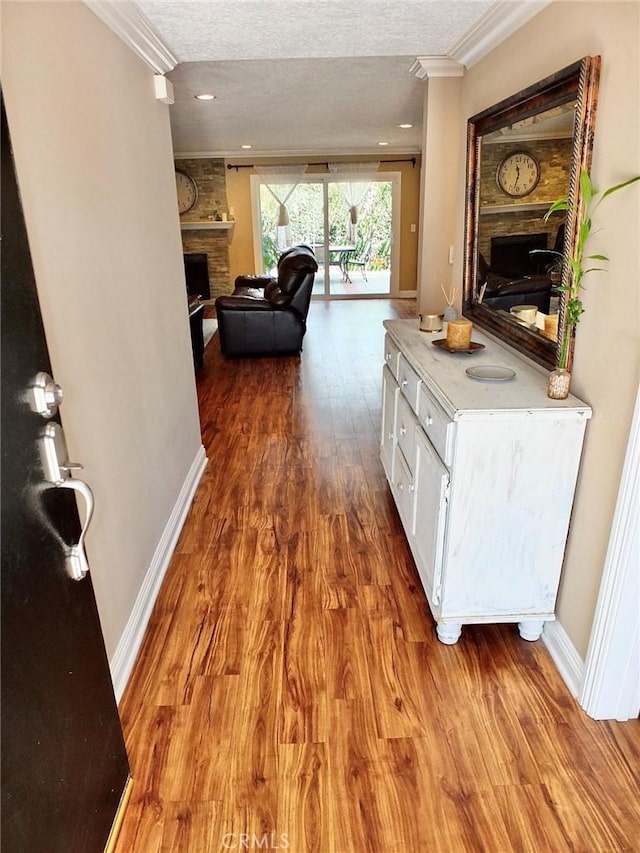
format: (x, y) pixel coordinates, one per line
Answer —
(300, 106)
(303, 77)
(299, 29)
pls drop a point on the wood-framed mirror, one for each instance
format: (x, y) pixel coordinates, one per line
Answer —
(522, 154)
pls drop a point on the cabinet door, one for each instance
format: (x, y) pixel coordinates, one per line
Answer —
(430, 515)
(390, 393)
(403, 488)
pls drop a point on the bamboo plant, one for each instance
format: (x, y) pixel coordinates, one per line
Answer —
(578, 263)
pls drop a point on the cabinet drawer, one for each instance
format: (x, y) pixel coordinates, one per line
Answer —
(391, 355)
(435, 422)
(406, 432)
(409, 382)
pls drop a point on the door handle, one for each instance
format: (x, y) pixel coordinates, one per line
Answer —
(76, 558)
(57, 472)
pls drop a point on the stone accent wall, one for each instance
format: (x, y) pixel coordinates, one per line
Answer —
(210, 177)
(554, 157)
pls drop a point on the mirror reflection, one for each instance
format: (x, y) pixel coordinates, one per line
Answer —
(522, 168)
(522, 154)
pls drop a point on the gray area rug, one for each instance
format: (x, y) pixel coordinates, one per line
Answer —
(209, 328)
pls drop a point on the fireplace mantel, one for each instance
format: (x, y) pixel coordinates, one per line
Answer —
(514, 208)
(207, 225)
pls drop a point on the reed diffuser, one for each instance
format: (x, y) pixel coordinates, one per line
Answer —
(450, 296)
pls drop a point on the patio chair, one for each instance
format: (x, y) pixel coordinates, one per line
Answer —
(360, 258)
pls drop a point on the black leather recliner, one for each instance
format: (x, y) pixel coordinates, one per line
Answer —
(536, 288)
(267, 316)
(502, 292)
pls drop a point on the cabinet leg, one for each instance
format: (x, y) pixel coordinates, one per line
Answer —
(449, 632)
(531, 630)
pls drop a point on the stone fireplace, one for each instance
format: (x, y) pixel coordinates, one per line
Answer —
(203, 230)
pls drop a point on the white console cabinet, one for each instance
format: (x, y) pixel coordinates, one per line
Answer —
(483, 474)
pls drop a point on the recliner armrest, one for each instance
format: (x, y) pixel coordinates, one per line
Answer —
(252, 281)
(533, 284)
(238, 302)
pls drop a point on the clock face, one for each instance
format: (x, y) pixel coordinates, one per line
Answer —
(518, 174)
(187, 191)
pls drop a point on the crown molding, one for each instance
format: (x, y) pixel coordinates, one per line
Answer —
(436, 66)
(310, 153)
(129, 24)
(502, 19)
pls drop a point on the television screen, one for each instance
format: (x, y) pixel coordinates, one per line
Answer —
(511, 258)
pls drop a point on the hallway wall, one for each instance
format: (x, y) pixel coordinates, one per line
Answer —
(95, 168)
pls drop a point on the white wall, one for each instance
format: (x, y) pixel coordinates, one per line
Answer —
(606, 366)
(95, 168)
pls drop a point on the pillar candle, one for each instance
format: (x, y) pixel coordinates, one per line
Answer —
(551, 327)
(459, 333)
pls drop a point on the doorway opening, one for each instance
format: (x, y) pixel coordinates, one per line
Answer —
(352, 263)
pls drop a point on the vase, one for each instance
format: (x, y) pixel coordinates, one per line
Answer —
(559, 382)
(450, 313)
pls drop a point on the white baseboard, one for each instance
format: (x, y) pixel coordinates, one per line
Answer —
(405, 294)
(565, 656)
(133, 634)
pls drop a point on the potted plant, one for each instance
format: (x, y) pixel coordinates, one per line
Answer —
(578, 265)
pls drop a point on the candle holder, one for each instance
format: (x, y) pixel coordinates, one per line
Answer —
(559, 384)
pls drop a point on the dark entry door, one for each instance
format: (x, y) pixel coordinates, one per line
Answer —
(64, 764)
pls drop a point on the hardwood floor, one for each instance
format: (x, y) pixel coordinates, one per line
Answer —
(291, 693)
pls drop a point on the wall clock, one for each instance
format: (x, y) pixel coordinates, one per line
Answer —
(518, 174)
(187, 191)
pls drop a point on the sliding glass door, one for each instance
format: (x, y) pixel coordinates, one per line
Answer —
(354, 243)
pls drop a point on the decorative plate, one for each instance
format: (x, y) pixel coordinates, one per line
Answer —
(441, 343)
(490, 373)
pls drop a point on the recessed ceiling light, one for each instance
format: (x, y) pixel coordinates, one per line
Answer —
(245, 146)
(383, 143)
(404, 126)
(205, 96)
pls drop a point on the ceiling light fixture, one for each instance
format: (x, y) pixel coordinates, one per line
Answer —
(245, 146)
(205, 96)
(405, 126)
(383, 143)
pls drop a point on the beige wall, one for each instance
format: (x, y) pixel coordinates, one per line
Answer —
(441, 142)
(241, 260)
(606, 363)
(95, 169)
(241, 252)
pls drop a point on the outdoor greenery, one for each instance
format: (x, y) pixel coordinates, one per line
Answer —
(306, 220)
